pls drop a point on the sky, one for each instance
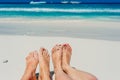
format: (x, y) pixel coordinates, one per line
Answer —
(108, 1)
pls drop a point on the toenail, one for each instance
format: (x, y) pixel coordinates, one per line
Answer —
(43, 49)
(65, 45)
(35, 51)
(59, 44)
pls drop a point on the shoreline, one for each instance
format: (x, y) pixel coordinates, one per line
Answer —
(79, 22)
(34, 19)
(84, 28)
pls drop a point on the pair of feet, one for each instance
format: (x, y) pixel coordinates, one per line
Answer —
(61, 55)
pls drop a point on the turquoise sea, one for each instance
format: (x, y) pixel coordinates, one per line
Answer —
(66, 11)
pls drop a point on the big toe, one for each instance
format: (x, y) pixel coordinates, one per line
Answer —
(41, 51)
(57, 47)
(45, 53)
(67, 47)
(30, 55)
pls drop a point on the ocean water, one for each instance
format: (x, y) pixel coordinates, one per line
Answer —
(102, 20)
(66, 11)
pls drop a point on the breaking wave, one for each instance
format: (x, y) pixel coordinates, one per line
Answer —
(106, 10)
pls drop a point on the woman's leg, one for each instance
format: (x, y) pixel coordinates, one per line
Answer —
(56, 58)
(44, 60)
(73, 73)
(31, 65)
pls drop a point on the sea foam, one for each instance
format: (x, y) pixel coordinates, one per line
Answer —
(108, 10)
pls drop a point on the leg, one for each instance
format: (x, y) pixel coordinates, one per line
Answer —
(56, 58)
(73, 73)
(31, 65)
(44, 60)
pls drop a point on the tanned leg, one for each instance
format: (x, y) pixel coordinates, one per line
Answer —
(73, 73)
(56, 58)
(31, 65)
(44, 60)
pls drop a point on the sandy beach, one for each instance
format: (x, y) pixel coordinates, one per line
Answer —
(95, 44)
(100, 29)
(92, 30)
(99, 57)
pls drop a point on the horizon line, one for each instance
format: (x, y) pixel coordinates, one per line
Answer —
(61, 3)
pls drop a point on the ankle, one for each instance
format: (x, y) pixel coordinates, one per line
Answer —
(44, 76)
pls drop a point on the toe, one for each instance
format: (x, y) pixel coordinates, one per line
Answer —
(41, 51)
(64, 46)
(54, 48)
(45, 52)
(27, 58)
(35, 54)
(31, 54)
(59, 47)
(48, 55)
(69, 47)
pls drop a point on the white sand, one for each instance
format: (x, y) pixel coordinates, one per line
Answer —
(96, 47)
(82, 28)
(98, 57)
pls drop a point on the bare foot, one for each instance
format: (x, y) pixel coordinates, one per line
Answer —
(57, 62)
(31, 65)
(44, 60)
(73, 73)
(67, 52)
(56, 57)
